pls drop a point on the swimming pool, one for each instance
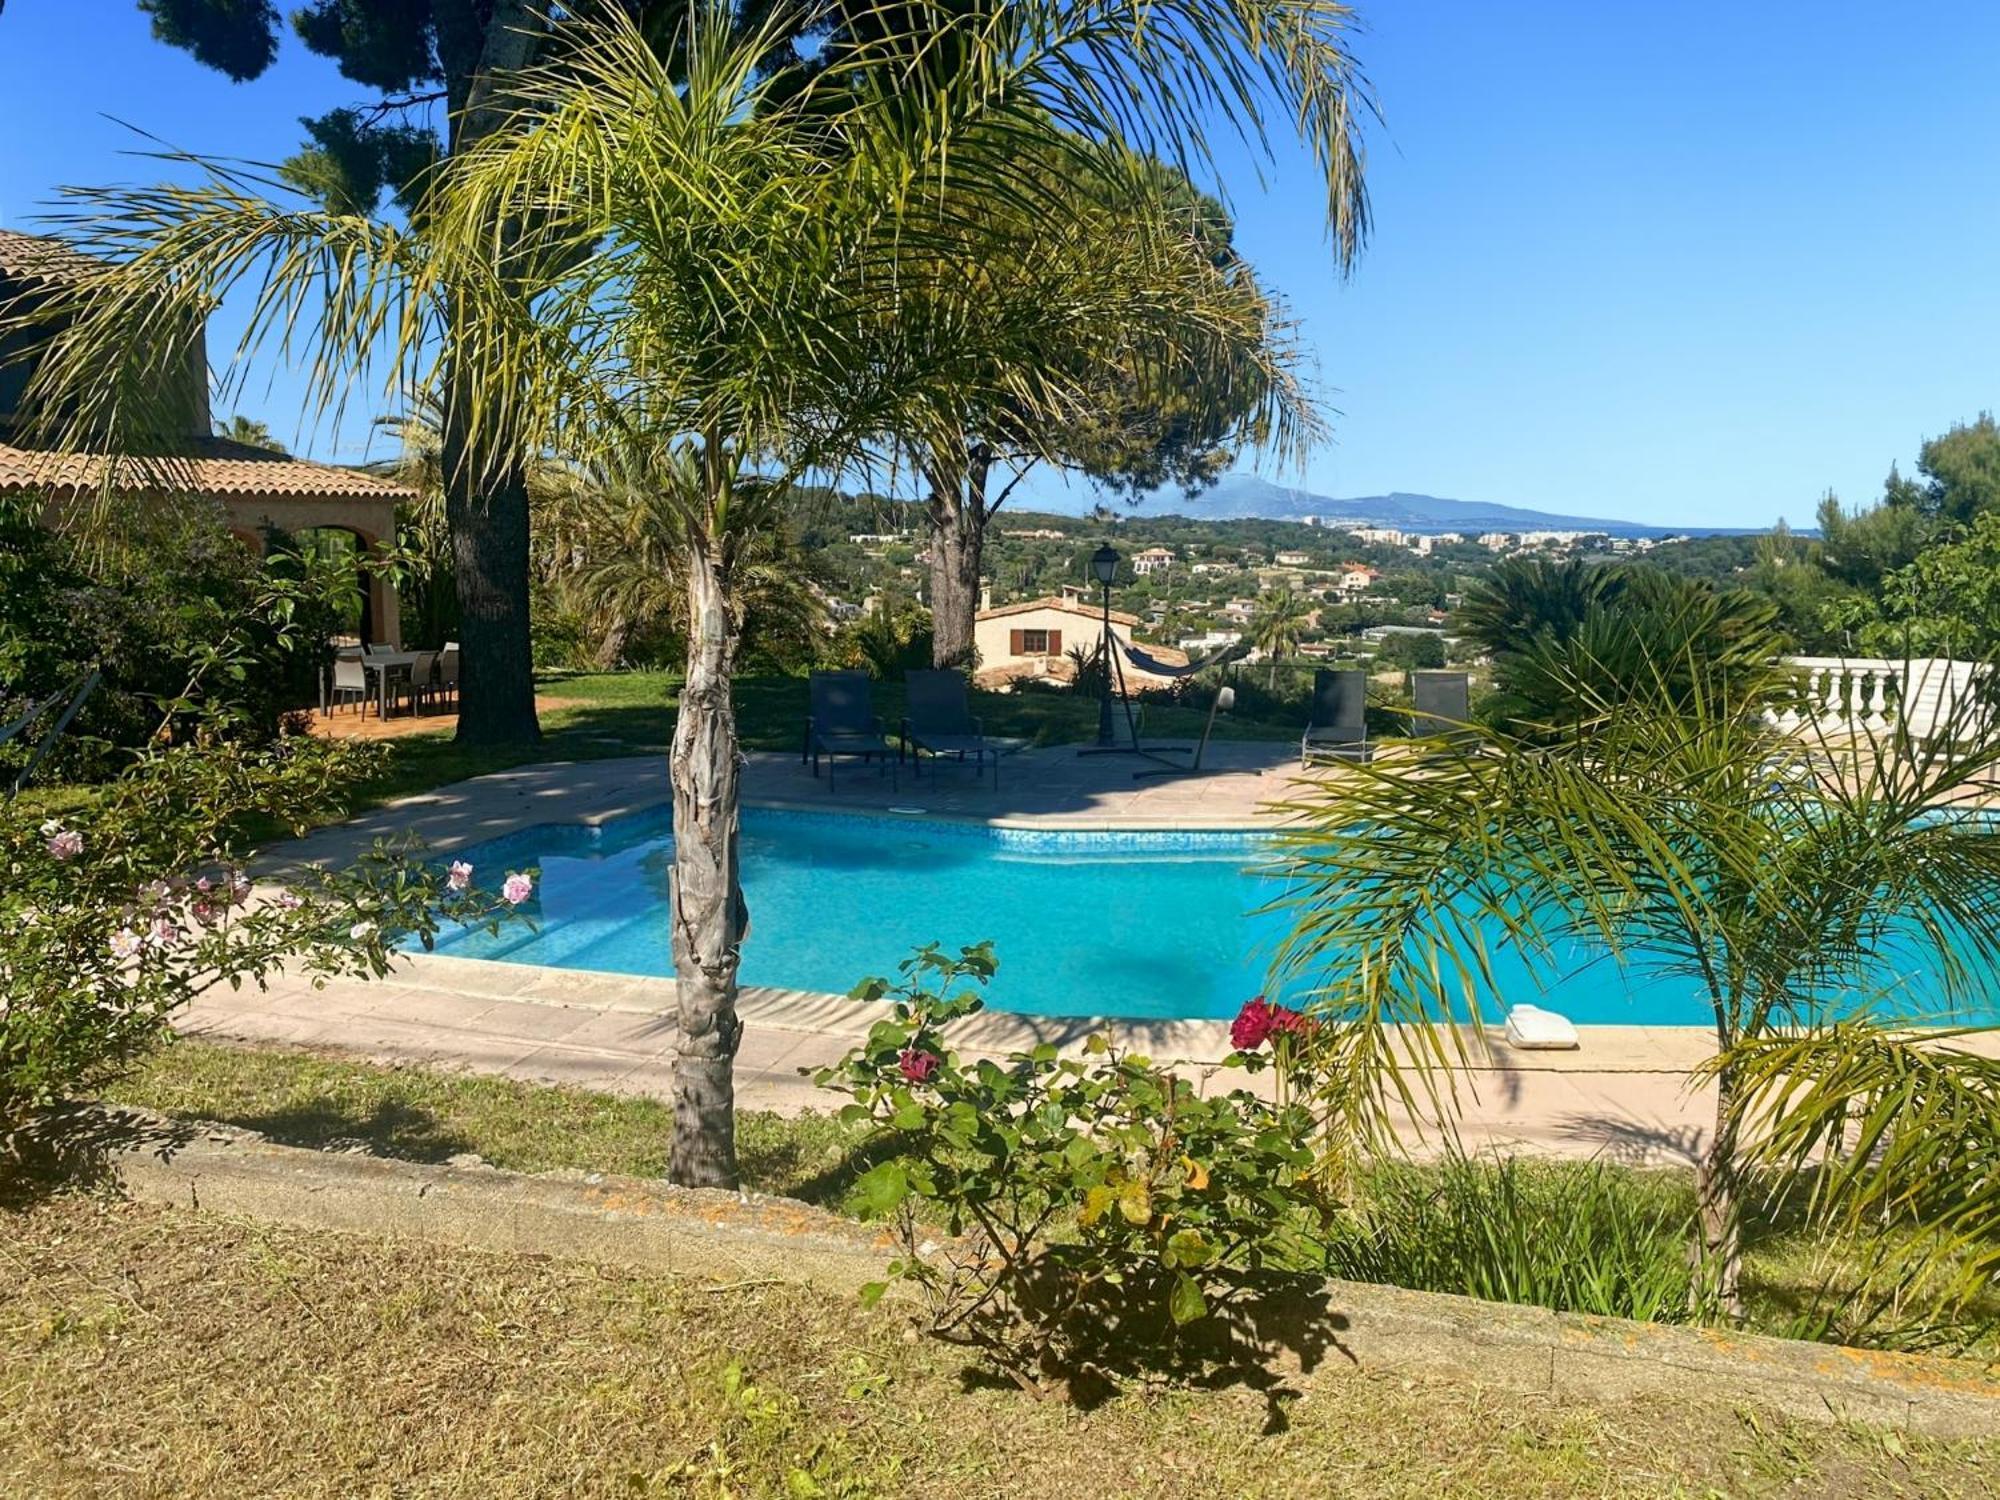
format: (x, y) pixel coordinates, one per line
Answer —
(1134, 925)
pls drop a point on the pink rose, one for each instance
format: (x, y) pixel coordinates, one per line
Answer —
(287, 901)
(204, 885)
(205, 912)
(65, 843)
(125, 943)
(460, 876)
(516, 889)
(916, 1064)
(239, 887)
(165, 934)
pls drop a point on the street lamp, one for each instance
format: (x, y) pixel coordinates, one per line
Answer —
(1104, 563)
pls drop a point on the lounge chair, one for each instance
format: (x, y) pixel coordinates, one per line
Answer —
(938, 719)
(1442, 704)
(1338, 728)
(843, 722)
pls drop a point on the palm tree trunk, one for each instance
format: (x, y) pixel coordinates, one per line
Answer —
(1719, 1257)
(958, 541)
(708, 913)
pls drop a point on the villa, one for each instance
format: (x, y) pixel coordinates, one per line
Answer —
(258, 489)
(1032, 637)
(1152, 560)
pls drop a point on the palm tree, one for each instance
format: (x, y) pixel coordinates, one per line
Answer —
(614, 537)
(703, 251)
(1281, 621)
(250, 432)
(1667, 824)
(1177, 356)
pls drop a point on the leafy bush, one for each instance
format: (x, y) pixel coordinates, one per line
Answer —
(1577, 1237)
(150, 602)
(886, 642)
(119, 913)
(1092, 1209)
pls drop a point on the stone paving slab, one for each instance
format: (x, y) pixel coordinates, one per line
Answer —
(1624, 1094)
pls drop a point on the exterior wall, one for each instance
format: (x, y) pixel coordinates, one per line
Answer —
(372, 521)
(998, 639)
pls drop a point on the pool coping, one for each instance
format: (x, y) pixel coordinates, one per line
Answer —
(1622, 1048)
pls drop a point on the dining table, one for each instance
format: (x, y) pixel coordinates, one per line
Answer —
(381, 666)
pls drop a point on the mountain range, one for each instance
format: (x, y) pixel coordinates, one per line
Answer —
(1245, 496)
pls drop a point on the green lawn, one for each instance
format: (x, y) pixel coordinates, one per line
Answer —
(632, 713)
(155, 1352)
(312, 1099)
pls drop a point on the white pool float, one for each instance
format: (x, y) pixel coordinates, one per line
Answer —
(1533, 1029)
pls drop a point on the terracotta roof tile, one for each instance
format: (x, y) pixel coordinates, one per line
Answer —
(206, 466)
(1066, 606)
(36, 257)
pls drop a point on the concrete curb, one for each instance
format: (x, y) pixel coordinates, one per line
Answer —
(731, 1237)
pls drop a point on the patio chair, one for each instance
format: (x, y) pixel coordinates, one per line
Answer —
(1442, 707)
(350, 680)
(421, 684)
(843, 722)
(938, 719)
(1338, 727)
(446, 685)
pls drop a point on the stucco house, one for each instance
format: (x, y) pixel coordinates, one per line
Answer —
(258, 489)
(1031, 639)
(1152, 560)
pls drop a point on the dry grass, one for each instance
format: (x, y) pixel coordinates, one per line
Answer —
(151, 1352)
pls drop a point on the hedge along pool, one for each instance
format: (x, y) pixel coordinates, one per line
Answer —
(1135, 925)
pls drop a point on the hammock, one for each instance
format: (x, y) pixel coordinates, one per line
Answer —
(1152, 666)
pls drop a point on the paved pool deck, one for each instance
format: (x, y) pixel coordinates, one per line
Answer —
(1624, 1094)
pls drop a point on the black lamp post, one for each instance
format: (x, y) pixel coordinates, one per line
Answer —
(1104, 563)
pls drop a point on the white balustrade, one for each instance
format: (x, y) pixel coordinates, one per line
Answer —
(1868, 695)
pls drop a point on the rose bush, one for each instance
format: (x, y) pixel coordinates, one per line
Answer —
(1064, 1214)
(114, 915)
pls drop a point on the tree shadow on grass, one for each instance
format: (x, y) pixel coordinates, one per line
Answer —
(74, 1146)
(388, 1127)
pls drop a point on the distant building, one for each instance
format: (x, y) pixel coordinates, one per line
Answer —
(1293, 559)
(1031, 639)
(1152, 560)
(1036, 534)
(1207, 568)
(1355, 579)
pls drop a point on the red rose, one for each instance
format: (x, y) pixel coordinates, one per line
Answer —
(1259, 1021)
(1252, 1025)
(916, 1064)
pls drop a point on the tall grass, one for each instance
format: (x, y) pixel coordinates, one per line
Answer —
(1576, 1237)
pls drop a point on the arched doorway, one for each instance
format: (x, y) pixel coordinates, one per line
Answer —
(369, 612)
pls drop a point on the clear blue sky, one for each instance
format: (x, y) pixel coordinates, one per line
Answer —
(1680, 265)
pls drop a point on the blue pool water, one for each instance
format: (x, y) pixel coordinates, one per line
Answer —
(1128, 925)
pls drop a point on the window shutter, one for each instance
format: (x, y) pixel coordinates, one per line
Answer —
(1014, 643)
(1055, 643)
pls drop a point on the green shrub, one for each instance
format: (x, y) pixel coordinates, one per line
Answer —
(1577, 1237)
(147, 601)
(1069, 1214)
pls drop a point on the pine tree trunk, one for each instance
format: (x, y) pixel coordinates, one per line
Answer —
(486, 503)
(486, 509)
(958, 541)
(708, 913)
(1719, 1257)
